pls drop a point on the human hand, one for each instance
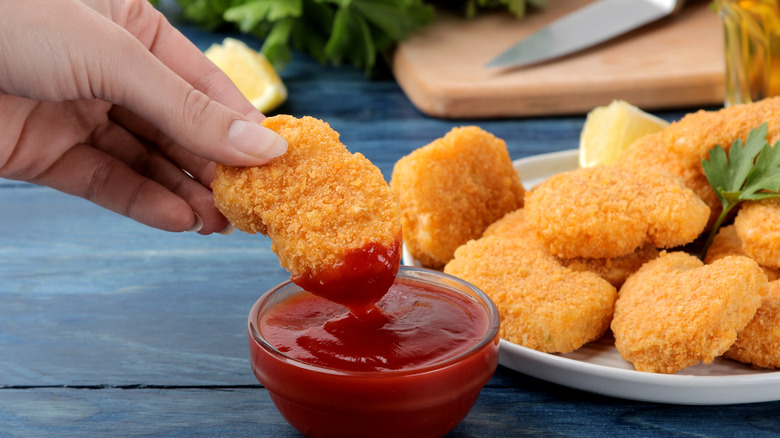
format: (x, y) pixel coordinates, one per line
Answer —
(104, 99)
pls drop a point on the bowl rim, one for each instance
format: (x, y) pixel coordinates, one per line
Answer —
(405, 272)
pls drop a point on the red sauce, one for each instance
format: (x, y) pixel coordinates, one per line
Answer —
(359, 280)
(413, 325)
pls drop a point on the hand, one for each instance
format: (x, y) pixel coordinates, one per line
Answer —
(104, 99)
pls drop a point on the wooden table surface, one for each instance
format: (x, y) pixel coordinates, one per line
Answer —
(109, 328)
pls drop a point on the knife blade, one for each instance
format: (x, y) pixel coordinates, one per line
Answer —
(585, 27)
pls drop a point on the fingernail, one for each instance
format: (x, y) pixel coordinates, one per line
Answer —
(198, 224)
(255, 140)
(229, 229)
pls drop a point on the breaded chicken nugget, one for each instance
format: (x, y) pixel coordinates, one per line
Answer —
(333, 220)
(682, 146)
(759, 342)
(758, 227)
(542, 304)
(676, 312)
(608, 212)
(452, 189)
(727, 243)
(614, 270)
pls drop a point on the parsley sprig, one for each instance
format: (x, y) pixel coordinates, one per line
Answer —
(333, 31)
(750, 172)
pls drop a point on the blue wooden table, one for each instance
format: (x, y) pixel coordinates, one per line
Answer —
(109, 328)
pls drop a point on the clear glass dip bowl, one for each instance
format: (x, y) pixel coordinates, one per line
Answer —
(419, 401)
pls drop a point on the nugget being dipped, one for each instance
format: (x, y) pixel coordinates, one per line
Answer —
(452, 189)
(608, 212)
(676, 312)
(543, 305)
(332, 217)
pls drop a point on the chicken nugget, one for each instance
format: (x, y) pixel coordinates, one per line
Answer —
(758, 343)
(681, 147)
(543, 305)
(332, 218)
(608, 212)
(758, 227)
(676, 312)
(614, 270)
(451, 190)
(727, 243)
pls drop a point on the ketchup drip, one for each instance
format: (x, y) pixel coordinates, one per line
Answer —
(357, 281)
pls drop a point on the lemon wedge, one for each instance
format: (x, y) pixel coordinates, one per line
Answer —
(610, 129)
(251, 72)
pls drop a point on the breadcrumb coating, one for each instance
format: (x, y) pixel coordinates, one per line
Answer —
(676, 312)
(453, 188)
(614, 270)
(318, 203)
(758, 343)
(543, 305)
(608, 212)
(682, 146)
(758, 227)
(727, 243)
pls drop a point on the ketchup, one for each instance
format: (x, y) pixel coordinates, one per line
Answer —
(412, 365)
(357, 281)
(411, 326)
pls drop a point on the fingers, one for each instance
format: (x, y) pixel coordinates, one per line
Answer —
(200, 168)
(148, 162)
(98, 177)
(154, 78)
(177, 52)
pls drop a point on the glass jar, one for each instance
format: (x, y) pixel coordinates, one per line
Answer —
(751, 30)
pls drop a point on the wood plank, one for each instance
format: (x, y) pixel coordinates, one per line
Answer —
(676, 62)
(530, 409)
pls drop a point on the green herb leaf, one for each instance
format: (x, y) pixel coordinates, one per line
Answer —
(332, 31)
(250, 15)
(749, 172)
(471, 8)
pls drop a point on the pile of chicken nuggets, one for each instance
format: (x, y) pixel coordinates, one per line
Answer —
(597, 249)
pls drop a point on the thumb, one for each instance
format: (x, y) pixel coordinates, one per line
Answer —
(143, 83)
(189, 117)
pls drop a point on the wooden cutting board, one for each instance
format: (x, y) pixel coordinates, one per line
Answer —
(675, 62)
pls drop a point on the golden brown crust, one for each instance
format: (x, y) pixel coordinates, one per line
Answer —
(316, 202)
(608, 212)
(543, 305)
(758, 226)
(453, 188)
(682, 146)
(727, 243)
(759, 342)
(676, 312)
(614, 270)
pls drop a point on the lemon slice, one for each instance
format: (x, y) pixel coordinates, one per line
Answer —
(251, 72)
(610, 129)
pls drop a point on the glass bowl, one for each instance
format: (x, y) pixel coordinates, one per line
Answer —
(419, 401)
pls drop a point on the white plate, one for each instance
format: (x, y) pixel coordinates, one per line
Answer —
(597, 367)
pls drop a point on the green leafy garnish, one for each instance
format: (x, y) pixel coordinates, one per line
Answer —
(471, 8)
(750, 172)
(332, 31)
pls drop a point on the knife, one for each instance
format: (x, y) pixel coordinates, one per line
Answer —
(587, 26)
